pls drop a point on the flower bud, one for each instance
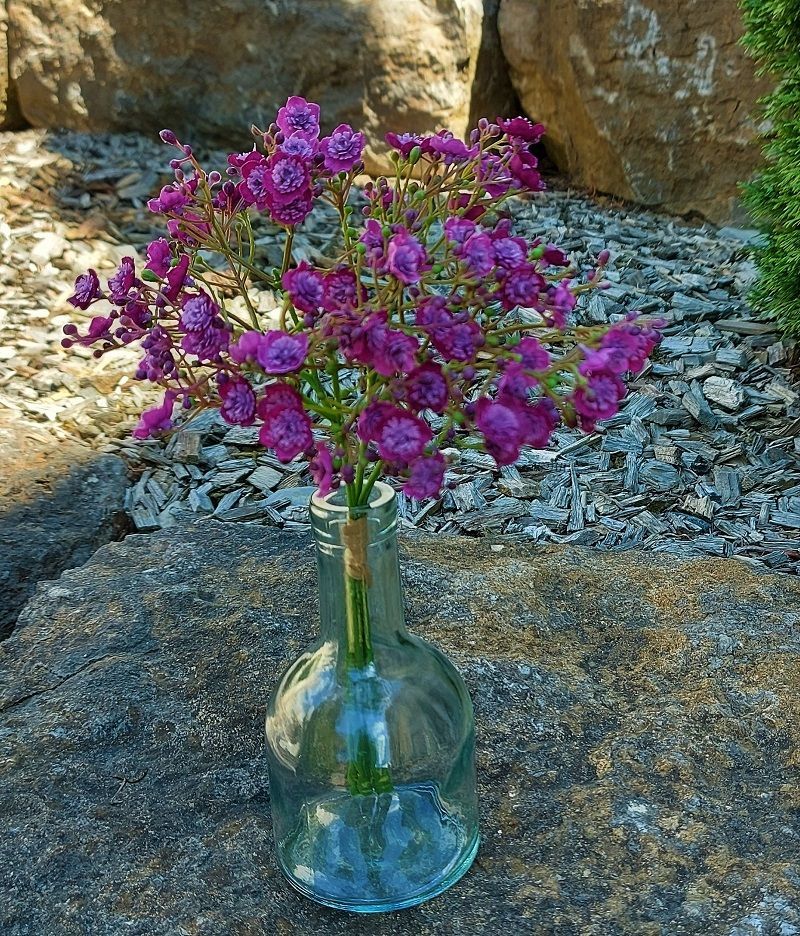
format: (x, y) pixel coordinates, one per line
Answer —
(414, 155)
(603, 257)
(167, 136)
(214, 178)
(187, 149)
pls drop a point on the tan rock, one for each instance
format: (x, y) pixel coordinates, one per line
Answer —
(377, 64)
(9, 112)
(650, 100)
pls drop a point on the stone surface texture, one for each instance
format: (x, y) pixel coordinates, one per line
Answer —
(651, 100)
(59, 502)
(637, 740)
(114, 65)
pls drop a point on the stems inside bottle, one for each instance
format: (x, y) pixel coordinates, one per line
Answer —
(364, 774)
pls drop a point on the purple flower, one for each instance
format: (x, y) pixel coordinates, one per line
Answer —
(171, 199)
(478, 254)
(458, 340)
(278, 396)
(342, 149)
(246, 348)
(122, 281)
(176, 278)
(238, 402)
(292, 213)
(405, 257)
(98, 328)
(426, 388)
(157, 419)
(372, 238)
(425, 477)
(253, 188)
(503, 429)
(198, 312)
(298, 144)
(522, 166)
(286, 430)
(626, 347)
(510, 252)
(305, 286)
(560, 302)
(282, 353)
(402, 437)
(534, 355)
(454, 150)
(298, 115)
(393, 352)
(540, 419)
(514, 385)
(342, 291)
(555, 256)
(522, 287)
(159, 256)
(286, 179)
(432, 312)
(87, 290)
(206, 345)
(598, 398)
(403, 142)
(459, 229)
(321, 466)
(520, 128)
(371, 419)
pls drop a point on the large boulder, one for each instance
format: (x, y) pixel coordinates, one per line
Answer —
(651, 100)
(638, 740)
(59, 502)
(208, 70)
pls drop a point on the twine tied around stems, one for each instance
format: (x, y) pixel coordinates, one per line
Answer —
(355, 535)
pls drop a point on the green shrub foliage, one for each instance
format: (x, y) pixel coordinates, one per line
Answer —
(773, 38)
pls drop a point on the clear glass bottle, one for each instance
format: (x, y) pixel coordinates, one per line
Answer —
(370, 734)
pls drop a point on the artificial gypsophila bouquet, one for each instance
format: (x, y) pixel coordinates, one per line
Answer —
(437, 328)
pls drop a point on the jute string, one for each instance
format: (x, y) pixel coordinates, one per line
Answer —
(355, 535)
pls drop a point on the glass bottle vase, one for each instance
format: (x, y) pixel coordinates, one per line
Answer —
(370, 733)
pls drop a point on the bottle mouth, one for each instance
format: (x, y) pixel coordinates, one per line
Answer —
(336, 502)
(334, 522)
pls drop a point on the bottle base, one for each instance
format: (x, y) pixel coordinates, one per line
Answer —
(379, 852)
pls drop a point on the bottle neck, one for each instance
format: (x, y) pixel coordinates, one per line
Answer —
(361, 602)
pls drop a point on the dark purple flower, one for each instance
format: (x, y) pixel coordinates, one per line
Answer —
(626, 347)
(306, 287)
(298, 115)
(520, 128)
(286, 179)
(402, 437)
(425, 477)
(159, 256)
(157, 419)
(286, 430)
(560, 302)
(171, 199)
(502, 427)
(176, 278)
(342, 149)
(539, 421)
(87, 290)
(206, 345)
(432, 312)
(555, 256)
(238, 402)
(458, 230)
(405, 257)
(392, 352)
(298, 144)
(510, 252)
(458, 340)
(426, 388)
(278, 396)
(372, 238)
(534, 355)
(253, 188)
(122, 281)
(522, 287)
(341, 290)
(445, 144)
(292, 213)
(514, 385)
(99, 328)
(246, 348)
(598, 398)
(478, 254)
(403, 142)
(371, 419)
(522, 166)
(198, 312)
(321, 466)
(282, 353)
